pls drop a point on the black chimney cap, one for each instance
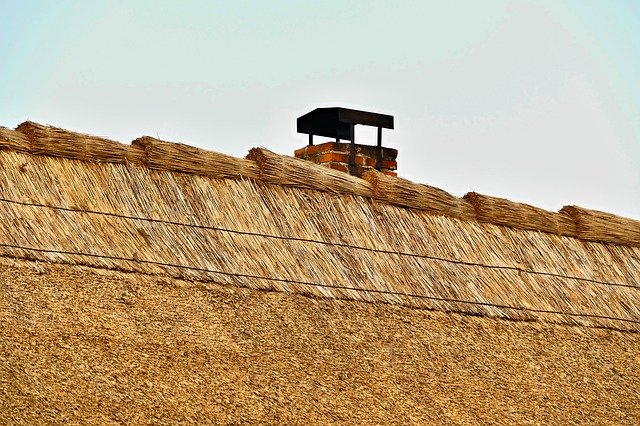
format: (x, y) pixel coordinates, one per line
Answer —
(338, 122)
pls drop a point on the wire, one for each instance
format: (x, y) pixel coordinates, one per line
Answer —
(344, 245)
(285, 280)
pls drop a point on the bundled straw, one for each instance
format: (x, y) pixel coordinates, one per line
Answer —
(13, 140)
(566, 225)
(162, 155)
(47, 140)
(593, 225)
(500, 211)
(271, 237)
(283, 170)
(402, 192)
(136, 155)
(289, 171)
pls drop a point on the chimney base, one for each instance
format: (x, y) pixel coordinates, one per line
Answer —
(336, 155)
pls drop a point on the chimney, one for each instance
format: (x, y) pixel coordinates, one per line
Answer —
(339, 124)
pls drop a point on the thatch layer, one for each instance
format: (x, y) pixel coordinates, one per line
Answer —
(163, 155)
(274, 237)
(83, 345)
(47, 140)
(593, 225)
(136, 155)
(501, 211)
(404, 193)
(278, 169)
(14, 140)
(290, 171)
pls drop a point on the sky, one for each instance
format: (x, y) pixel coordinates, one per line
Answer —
(535, 101)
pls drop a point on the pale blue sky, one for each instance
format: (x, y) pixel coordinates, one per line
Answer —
(538, 101)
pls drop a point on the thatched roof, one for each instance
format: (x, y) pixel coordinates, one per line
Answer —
(85, 345)
(273, 222)
(164, 208)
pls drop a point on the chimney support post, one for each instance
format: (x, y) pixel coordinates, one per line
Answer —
(352, 152)
(379, 159)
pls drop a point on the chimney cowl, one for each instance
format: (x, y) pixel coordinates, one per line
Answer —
(339, 123)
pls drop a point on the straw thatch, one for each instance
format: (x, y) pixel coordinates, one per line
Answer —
(128, 294)
(163, 155)
(287, 171)
(290, 171)
(401, 192)
(593, 225)
(126, 217)
(47, 140)
(504, 212)
(13, 140)
(136, 155)
(87, 346)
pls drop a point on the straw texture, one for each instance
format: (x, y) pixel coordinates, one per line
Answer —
(290, 171)
(162, 155)
(273, 237)
(593, 225)
(504, 212)
(87, 346)
(132, 291)
(404, 193)
(282, 170)
(13, 140)
(47, 140)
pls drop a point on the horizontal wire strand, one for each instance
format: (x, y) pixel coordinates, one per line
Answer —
(284, 280)
(344, 245)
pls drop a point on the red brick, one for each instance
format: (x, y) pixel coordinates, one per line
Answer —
(337, 157)
(327, 146)
(312, 149)
(388, 164)
(338, 166)
(363, 160)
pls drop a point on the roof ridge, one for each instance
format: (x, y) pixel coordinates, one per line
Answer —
(265, 166)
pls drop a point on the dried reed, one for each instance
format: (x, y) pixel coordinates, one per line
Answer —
(501, 211)
(82, 345)
(593, 225)
(290, 171)
(14, 140)
(69, 332)
(162, 155)
(136, 155)
(404, 193)
(272, 237)
(47, 140)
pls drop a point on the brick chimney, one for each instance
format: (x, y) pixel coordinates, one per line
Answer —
(336, 155)
(349, 157)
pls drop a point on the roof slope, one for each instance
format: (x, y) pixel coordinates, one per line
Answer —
(221, 222)
(129, 278)
(79, 345)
